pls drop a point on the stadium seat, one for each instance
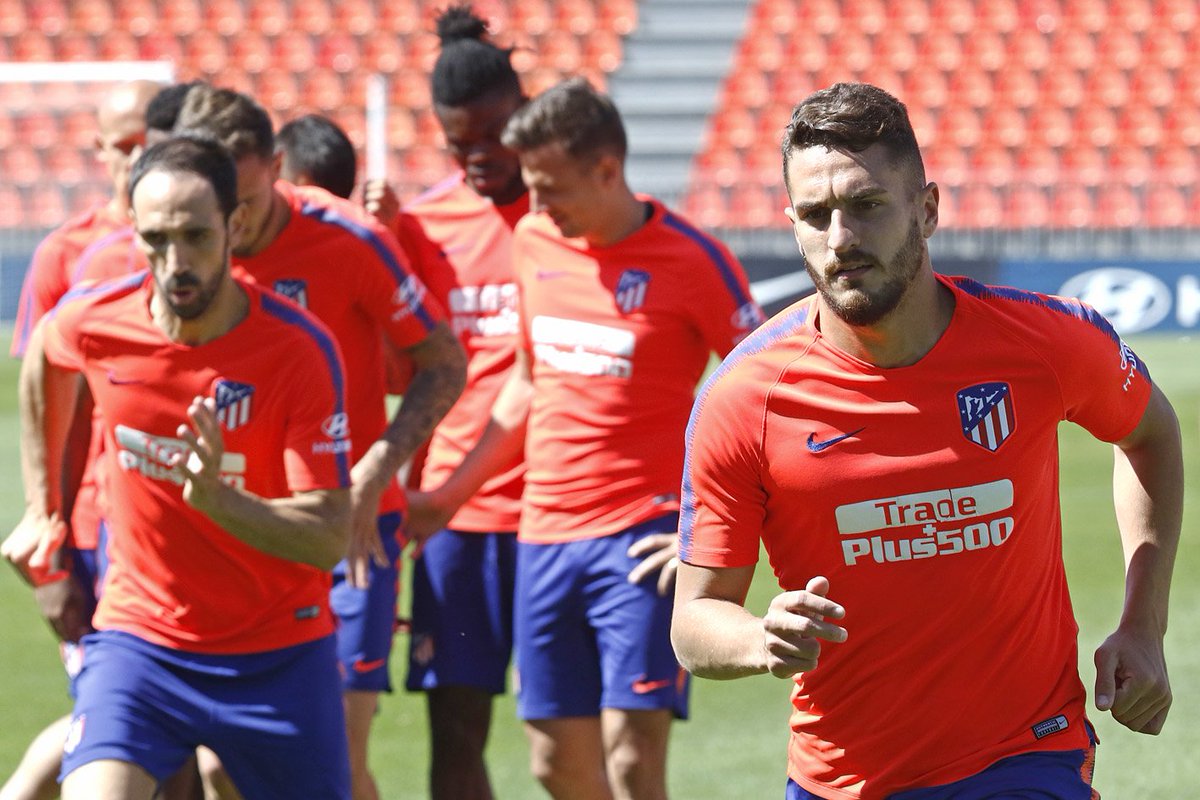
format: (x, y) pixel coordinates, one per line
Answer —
(339, 52)
(976, 206)
(1029, 47)
(46, 207)
(1153, 85)
(1108, 86)
(401, 129)
(925, 89)
(409, 88)
(940, 50)
(1139, 127)
(251, 52)
(12, 17)
(1026, 206)
(75, 46)
(704, 206)
(1087, 16)
(1181, 125)
(851, 53)
(754, 207)
(1129, 165)
(424, 165)
(1062, 88)
(205, 50)
(1004, 126)
(321, 89)
(1133, 15)
(1038, 165)
(91, 17)
(225, 17)
(39, 128)
(32, 45)
(355, 17)
(973, 86)
(351, 121)
(180, 17)
(603, 50)
(48, 17)
(1165, 207)
(909, 16)
(137, 17)
(1049, 125)
(992, 165)
(822, 17)
(1176, 165)
(1095, 125)
(68, 166)
(1072, 206)
(1001, 16)
(746, 88)
(76, 128)
(400, 17)
(896, 51)
(1083, 165)
(946, 165)
(985, 49)
(311, 16)
(424, 48)
(530, 16)
(12, 208)
(21, 165)
(382, 52)
(164, 46)
(578, 17)
(959, 126)
(7, 131)
(720, 167)
(1015, 87)
(1119, 48)
(560, 50)
(293, 51)
(117, 45)
(953, 16)
(276, 89)
(1178, 15)
(268, 17)
(1118, 206)
(618, 16)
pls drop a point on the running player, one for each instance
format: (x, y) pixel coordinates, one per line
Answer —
(96, 245)
(893, 443)
(622, 303)
(327, 255)
(227, 502)
(463, 578)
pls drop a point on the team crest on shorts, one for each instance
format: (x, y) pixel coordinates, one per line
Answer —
(631, 290)
(74, 734)
(293, 289)
(233, 403)
(986, 412)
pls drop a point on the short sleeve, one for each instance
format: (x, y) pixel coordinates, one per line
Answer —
(392, 292)
(726, 312)
(45, 283)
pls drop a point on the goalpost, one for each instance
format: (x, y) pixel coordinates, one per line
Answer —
(48, 170)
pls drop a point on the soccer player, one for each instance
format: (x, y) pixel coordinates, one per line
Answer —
(892, 441)
(226, 485)
(316, 152)
(163, 111)
(622, 303)
(95, 245)
(328, 255)
(463, 578)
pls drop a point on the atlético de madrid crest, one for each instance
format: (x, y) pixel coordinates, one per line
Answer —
(986, 412)
(631, 290)
(233, 403)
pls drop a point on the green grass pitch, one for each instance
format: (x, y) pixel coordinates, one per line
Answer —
(734, 744)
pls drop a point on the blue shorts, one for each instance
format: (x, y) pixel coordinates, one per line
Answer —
(367, 617)
(274, 718)
(1043, 775)
(462, 607)
(586, 638)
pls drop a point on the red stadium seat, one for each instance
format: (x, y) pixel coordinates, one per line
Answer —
(138, 17)
(1166, 48)
(276, 89)
(1072, 48)
(1165, 207)
(181, 17)
(1133, 15)
(321, 88)
(851, 53)
(39, 128)
(1119, 48)
(1118, 206)
(977, 206)
(940, 50)
(1049, 125)
(73, 46)
(603, 50)
(763, 165)
(1083, 165)
(339, 52)
(1178, 15)
(91, 17)
(32, 45)
(205, 50)
(382, 52)
(7, 131)
(294, 52)
(311, 16)
(1153, 85)
(1139, 127)
(1026, 206)
(973, 86)
(1177, 165)
(12, 17)
(560, 50)
(618, 16)
(1038, 165)
(1072, 206)
(1181, 125)
(46, 207)
(769, 53)
(117, 45)
(1015, 87)
(225, 17)
(1130, 166)
(1095, 125)
(1088, 16)
(985, 49)
(716, 167)
(20, 164)
(530, 16)
(895, 51)
(424, 165)
(268, 17)
(803, 58)
(746, 88)
(1001, 16)
(753, 207)
(401, 129)
(400, 17)
(947, 166)
(77, 129)
(1108, 86)
(67, 165)
(1062, 88)
(356, 17)
(251, 52)
(1029, 47)
(822, 17)
(866, 16)
(163, 46)
(959, 126)
(992, 166)
(1004, 126)
(575, 16)
(925, 89)
(704, 205)
(12, 208)
(955, 16)
(909, 16)
(351, 121)
(425, 47)
(48, 17)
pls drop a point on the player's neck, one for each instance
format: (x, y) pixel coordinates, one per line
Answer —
(228, 307)
(627, 216)
(904, 336)
(277, 220)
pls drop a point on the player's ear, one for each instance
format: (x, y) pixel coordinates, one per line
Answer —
(276, 165)
(236, 223)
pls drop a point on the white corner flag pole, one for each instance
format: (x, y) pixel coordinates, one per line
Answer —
(377, 139)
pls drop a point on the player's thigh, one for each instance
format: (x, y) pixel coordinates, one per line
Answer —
(367, 616)
(462, 612)
(109, 779)
(558, 664)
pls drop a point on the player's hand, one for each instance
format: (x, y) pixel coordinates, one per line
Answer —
(659, 552)
(200, 464)
(365, 543)
(795, 625)
(428, 513)
(1131, 680)
(64, 606)
(31, 547)
(380, 200)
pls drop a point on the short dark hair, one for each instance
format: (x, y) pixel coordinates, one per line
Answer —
(198, 155)
(162, 112)
(573, 113)
(469, 67)
(316, 146)
(852, 117)
(234, 119)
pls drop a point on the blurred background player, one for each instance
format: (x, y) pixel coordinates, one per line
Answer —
(922, 510)
(622, 303)
(217, 466)
(463, 578)
(162, 112)
(316, 152)
(327, 255)
(96, 245)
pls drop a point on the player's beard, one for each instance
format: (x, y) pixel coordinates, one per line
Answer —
(200, 302)
(860, 308)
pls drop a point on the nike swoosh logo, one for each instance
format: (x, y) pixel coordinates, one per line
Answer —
(368, 666)
(646, 687)
(815, 447)
(117, 381)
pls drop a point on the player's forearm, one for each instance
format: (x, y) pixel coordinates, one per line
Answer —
(718, 639)
(309, 528)
(440, 373)
(1148, 496)
(47, 399)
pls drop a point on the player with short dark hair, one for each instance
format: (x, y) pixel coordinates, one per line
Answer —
(892, 442)
(327, 255)
(461, 639)
(317, 152)
(217, 469)
(622, 302)
(163, 110)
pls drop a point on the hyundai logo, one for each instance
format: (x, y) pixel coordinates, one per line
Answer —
(1130, 299)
